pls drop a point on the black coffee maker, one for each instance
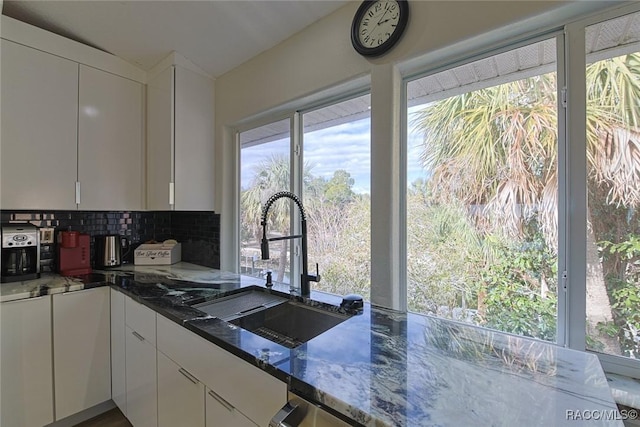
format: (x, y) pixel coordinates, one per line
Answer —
(20, 252)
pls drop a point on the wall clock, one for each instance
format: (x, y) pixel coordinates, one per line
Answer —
(378, 25)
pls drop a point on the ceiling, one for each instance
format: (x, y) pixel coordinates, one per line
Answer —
(216, 35)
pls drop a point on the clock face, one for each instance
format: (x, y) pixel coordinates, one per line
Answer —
(378, 25)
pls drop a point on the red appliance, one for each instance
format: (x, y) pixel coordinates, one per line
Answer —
(74, 253)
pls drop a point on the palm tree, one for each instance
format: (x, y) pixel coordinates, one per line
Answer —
(495, 149)
(613, 112)
(270, 176)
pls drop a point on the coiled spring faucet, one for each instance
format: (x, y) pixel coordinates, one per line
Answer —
(305, 277)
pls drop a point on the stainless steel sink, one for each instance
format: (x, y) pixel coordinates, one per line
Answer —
(289, 324)
(273, 317)
(236, 305)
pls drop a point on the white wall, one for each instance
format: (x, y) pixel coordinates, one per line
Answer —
(321, 57)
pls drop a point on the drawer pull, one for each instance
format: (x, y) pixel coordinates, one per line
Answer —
(221, 401)
(188, 376)
(137, 335)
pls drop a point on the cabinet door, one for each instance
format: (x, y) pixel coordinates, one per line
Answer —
(194, 150)
(180, 396)
(118, 355)
(160, 141)
(26, 384)
(142, 389)
(221, 413)
(109, 141)
(140, 319)
(255, 393)
(39, 129)
(81, 355)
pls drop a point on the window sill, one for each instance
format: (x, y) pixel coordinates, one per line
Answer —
(625, 390)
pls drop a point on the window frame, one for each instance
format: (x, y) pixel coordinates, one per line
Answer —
(296, 164)
(575, 35)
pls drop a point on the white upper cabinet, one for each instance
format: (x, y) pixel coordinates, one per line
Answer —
(180, 139)
(66, 124)
(110, 120)
(160, 141)
(39, 129)
(194, 150)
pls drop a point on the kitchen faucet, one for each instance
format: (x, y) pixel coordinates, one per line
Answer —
(305, 277)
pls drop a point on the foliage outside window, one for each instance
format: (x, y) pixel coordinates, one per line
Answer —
(613, 185)
(482, 220)
(335, 186)
(488, 194)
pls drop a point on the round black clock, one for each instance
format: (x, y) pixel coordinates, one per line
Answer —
(378, 25)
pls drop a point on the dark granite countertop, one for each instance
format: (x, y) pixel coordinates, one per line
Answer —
(381, 367)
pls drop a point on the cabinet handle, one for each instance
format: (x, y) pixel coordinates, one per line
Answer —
(137, 335)
(229, 407)
(79, 291)
(25, 299)
(171, 193)
(77, 192)
(188, 375)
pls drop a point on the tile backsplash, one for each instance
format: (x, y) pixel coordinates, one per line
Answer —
(198, 231)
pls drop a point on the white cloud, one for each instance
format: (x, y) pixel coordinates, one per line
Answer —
(346, 146)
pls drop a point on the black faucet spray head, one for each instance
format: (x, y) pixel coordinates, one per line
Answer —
(264, 243)
(264, 248)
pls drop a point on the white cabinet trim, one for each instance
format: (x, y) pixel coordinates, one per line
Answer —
(40, 39)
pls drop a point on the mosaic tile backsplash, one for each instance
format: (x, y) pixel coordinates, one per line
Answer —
(199, 232)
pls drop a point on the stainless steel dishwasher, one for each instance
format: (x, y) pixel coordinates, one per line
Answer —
(299, 412)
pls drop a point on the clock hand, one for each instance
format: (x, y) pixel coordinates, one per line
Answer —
(388, 19)
(380, 21)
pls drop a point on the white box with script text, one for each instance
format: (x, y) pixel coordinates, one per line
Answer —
(157, 254)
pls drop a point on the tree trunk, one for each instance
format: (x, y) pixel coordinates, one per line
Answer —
(598, 305)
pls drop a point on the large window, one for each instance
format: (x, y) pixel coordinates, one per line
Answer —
(482, 192)
(496, 215)
(613, 184)
(336, 189)
(265, 169)
(521, 215)
(329, 165)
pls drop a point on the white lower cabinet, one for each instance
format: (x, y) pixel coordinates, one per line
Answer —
(183, 400)
(81, 356)
(118, 351)
(173, 377)
(140, 365)
(142, 405)
(221, 413)
(26, 383)
(239, 389)
(180, 396)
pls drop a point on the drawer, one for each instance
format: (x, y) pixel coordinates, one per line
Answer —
(140, 319)
(252, 391)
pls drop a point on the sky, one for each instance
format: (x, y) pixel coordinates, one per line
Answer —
(346, 146)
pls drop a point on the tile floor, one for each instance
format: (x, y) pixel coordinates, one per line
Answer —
(111, 418)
